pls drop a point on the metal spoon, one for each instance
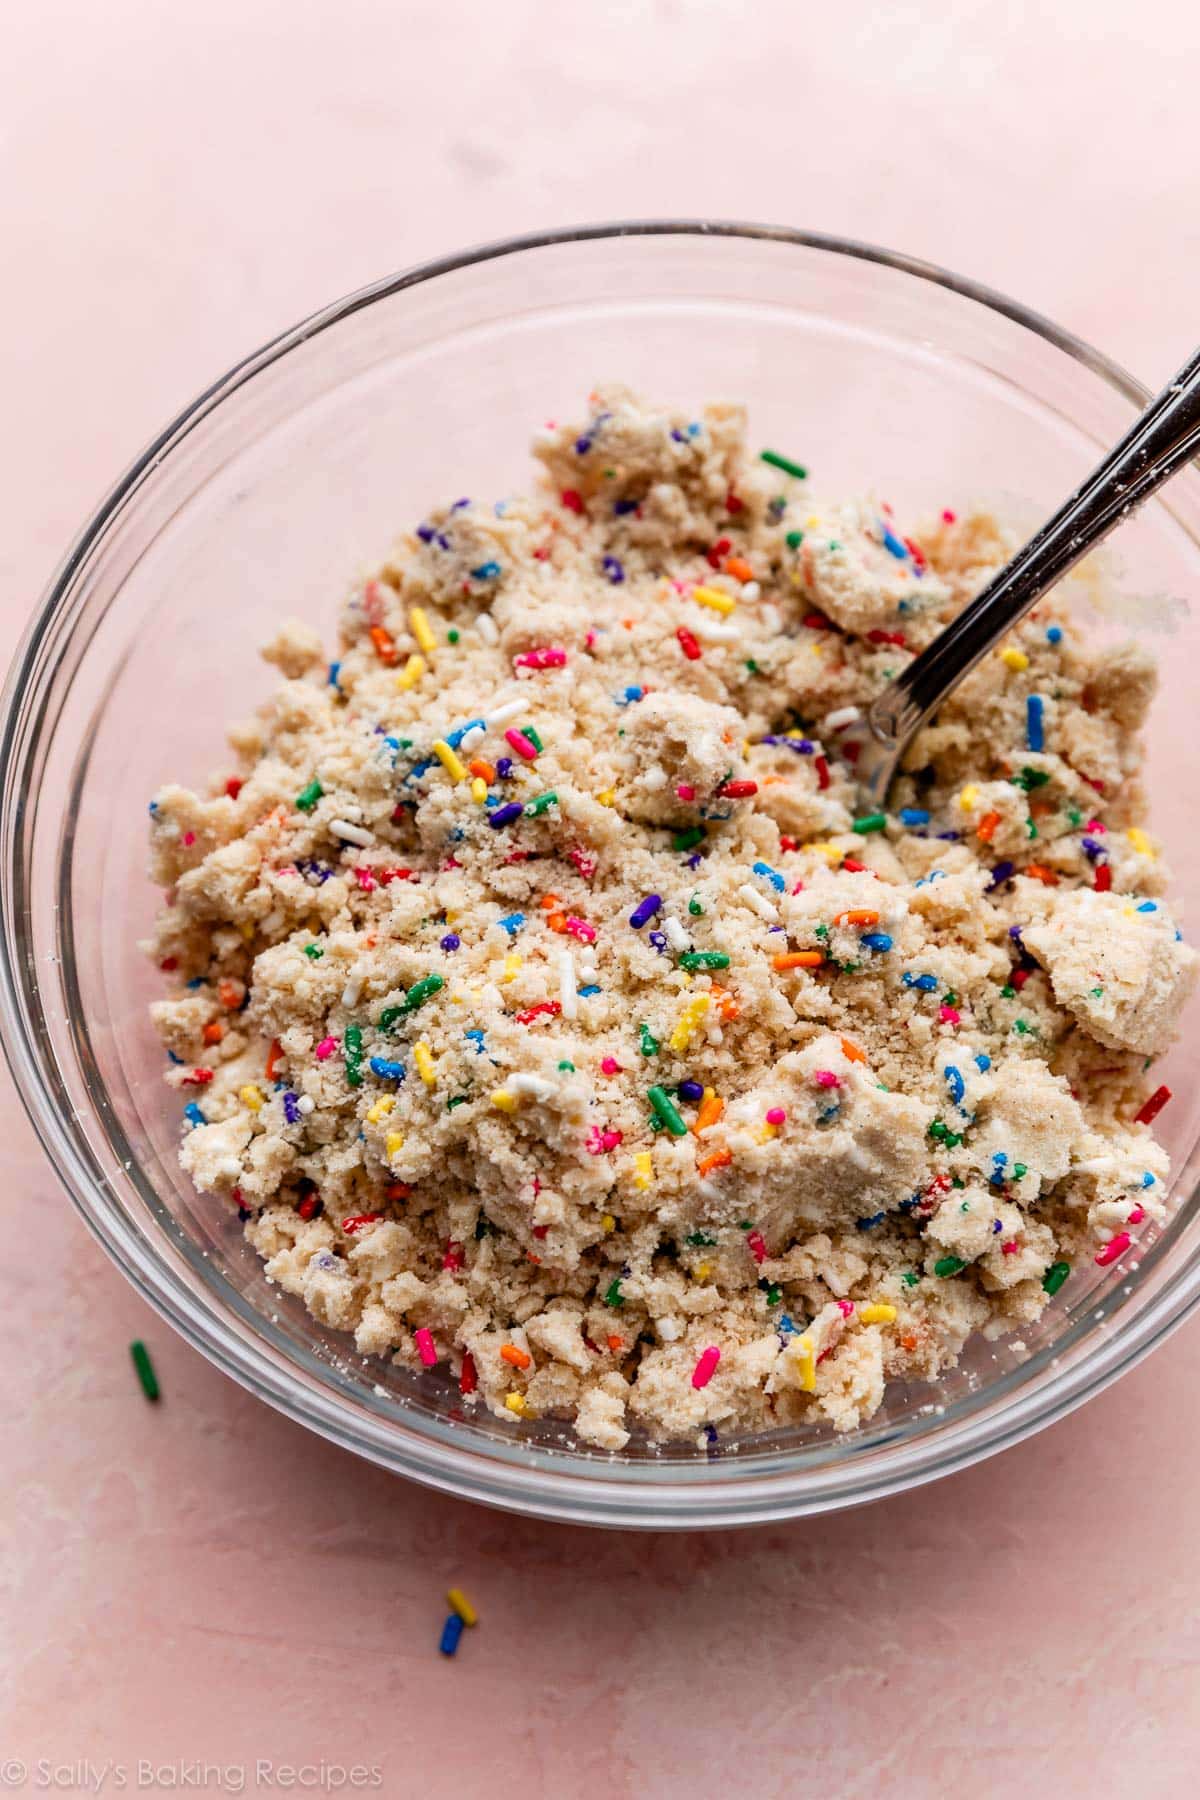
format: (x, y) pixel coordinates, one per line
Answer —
(1164, 437)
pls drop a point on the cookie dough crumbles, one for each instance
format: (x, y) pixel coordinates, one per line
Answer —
(549, 1015)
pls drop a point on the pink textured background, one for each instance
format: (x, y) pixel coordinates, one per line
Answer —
(206, 1580)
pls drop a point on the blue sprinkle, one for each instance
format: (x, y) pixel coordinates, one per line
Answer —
(334, 672)
(500, 507)
(504, 815)
(691, 1090)
(585, 993)
(629, 696)
(997, 1225)
(892, 542)
(773, 876)
(1014, 932)
(694, 430)
(1147, 1179)
(452, 1630)
(476, 1037)
(387, 1071)
(454, 738)
(512, 923)
(442, 540)
(955, 1082)
(999, 1162)
(1054, 634)
(678, 435)
(177, 1060)
(195, 982)
(613, 570)
(291, 1108)
(451, 941)
(913, 815)
(1035, 736)
(153, 808)
(914, 1200)
(193, 1115)
(1001, 873)
(983, 1062)
(876, 940)
(487, 571)
(870, 1223)
(787, 1325)
(949, 837)
(926, 983)
(621, 507)
(1148, 906)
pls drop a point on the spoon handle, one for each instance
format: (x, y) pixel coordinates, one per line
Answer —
(1158, 443)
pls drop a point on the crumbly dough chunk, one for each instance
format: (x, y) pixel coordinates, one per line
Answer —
(543, 1007)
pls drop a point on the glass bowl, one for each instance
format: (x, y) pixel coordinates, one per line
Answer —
(296, 469)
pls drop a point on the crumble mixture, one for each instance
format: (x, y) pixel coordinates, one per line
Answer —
(550, 1017)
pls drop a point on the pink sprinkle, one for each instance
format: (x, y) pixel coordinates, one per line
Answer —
(706, 1368)
(758, 1248)
(423, 1339)
(590, 639)
(581, 929)
(827, 1079)
(948, 1016)
(1137, 1215)
(325, 1048)
(453, 1258)
(776, 1115)
(521, 744)
(1116, 1246)
(1096, 825)
(611, 1066)
(1011, 1248)
(600, 1142)
(948, 517)
(365, 880)
(685, 791)
(546, 656)
(585, 864)
(189, 837)
(799, 888)
(845, 1307)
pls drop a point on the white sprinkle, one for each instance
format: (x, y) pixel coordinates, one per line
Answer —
(472, 738)
(840, 717)
(500, 712)
(350, 834)
(568, 992)
(485, 625)
(352, 992)
(533, 1085)
(766, 909)
(674, 933)
(306, 1104)
(713, 632)
(751, 591)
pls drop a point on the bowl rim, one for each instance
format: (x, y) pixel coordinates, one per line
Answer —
(543, 1483)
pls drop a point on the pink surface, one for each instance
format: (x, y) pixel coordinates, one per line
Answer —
(203, 1579)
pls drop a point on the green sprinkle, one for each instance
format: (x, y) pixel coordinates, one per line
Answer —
(452, 636)
(533, 737)
(704, 959)
(458, 1100)
(1074, 816)
(1097, 992)
(1031, 828)
(909, 1279)
(614, 1296)
(1030, 779)
(785, 463)
(145, 1369)
(700, 1240)
(1055, 1275)
(307, 798)
(948, 1265)
(647, 1040)
(421, 991)
(568, 1066)
(752, 666)
(1021, 1026)
(1019, 1171)
(821, 931)
(687, 840)
(666, 1112)
(354, 1041)
(774, 1295)
(388, 1017)
(794, 539)
(694, 906)
(1008, 991)
(870, 822)
(540, 804)
(315, 951)
(950, 998)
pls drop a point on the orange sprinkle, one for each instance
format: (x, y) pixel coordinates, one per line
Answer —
(548, 902)
(1041, 809)
(739, 568)
(385, 647)
(986, 828)
(718, 1159)
(729, 1007)
(230, 993)
(1041, 873)
(852, 1053)
(398, 1190)
(857, 916)
(616, 1343)
(798, 959)
(483, 769)
(510, 1353)
(214, 1032)
(711, 1109)
(274, 1058)
(909, 1341)
(557, 921)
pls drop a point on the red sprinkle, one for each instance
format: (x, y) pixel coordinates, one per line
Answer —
(468, 1379)
(818, 622)
(915, 551)
(611, 1066)
(1011, 1248)
(308, 1206)
(366, 880)
(1116, 1246)
(168, 963)
(737, 790)
(350, 1226)
(733, 504)
(233, 786)
(776, 1116)
(572, 500)
(584, 862)
(852, 866)
(453, 1255)
(758, 1248)
(1103, 881)
(949, 1016)
(551, 1008)
(845, 1307)
(719, 549)
(887, 637)
(545, 656)
(822, 768)
(1153, 1106)
(198, 1078)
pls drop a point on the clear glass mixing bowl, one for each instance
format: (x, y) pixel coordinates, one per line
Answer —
(297, 468)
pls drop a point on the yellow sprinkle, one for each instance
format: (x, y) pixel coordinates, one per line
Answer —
(421, 629)
(830, 852)
(458, 998)
(1141, 842)
(608, 1223)
(250, 1096)
(247, 930)
(380, 1110)
(607, 797)
(424, 1062)
(713, 597)
(395, 1143)
(512, 963)
(767, 1131)
(449, 760)
(702, 1272)
(462, 1606)
(411, 673)
(643, 1164)
(516, 1404)
(504, 1100)
(479, 790)
(808, 1363)
(688, 1021)
(877, 1314)
(812, 521)
(968, 797)
(1016, 659)
(795, 732)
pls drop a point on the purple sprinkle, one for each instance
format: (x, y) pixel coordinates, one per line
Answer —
(504, 767)
(504, 815)
(1000, 873)
(443, 540)
(950, 837)
(450, 941)
(691, 1090)
(678, 435)
(1014, 932)
(621, 507)
(1091, 848)
(291, 1108)
(613, 570)
(659, 942)
(459, 504)
(997, 1225)
(426, 533)
(693, 862)
(582, 446)
(645, 910)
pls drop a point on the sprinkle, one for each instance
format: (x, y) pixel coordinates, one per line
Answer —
(515, 1357)
(949, 1015)
(870, 822)
(826, 1078)
(737, 790)
(677, 937)
(421, 629)
(706, 1367)
(798, 959)
(878, 941)
(411, 673)
(504, 1101)
(349, 833)
(421, 991)
(1140, 841)
(704, 959)
(968, 797)
(788, 466)
(568, 990)
(145, 1369)
(380, 1110)
(251, 1096)
(716, 1159)
(913, 815)
(387, 1071)
(424, 1062)
(449, 760)
(452, 1630)
(776, 1116)
(1001, 873)
(522, 744)
(1153, 1106)
(666, 1112)
(711, 1109)
(385, 644)
(806, 1356)
(612, 568)
(755, 898)
(308, 796)
(423, 1339)
(1116, 1246)
(1054, 634)
(714, 598)
(516, 1404)
(393, 1144)
(538, 805)
(689, 1022)
(878, 1313)
(648, 1043)
(948, 1265)
(613, 1296)
(487, 571)
(504, 815)
(1015, 659)
(462, 1606)
(688, 644)
(840, 717)
(772, 875)
(643, 1164)
(687, 840)
(645, 910)
(822, 768)
(926, 983)
(985, 831)
(1035, 735)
